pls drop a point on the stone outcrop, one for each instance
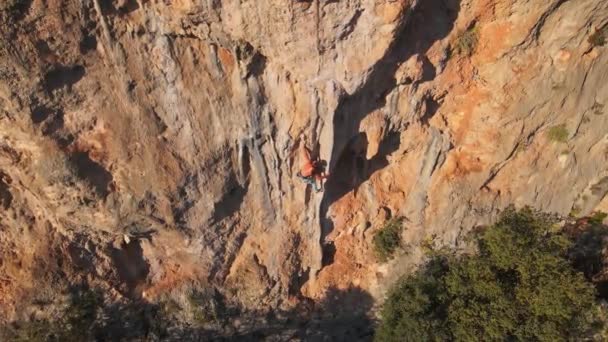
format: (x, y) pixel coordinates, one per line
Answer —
(148, 146)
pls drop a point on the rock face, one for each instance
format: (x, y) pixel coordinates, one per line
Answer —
(150, 147)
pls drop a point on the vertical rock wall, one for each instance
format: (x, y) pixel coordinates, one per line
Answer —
(151, 145)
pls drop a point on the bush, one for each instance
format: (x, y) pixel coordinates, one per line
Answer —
(32, 331)
(598, 38)
(205, 308)
(388, 239)
(8, 5)
(558, 133)
(75, 323)
(597, 108)
(466, 43)
(79, 317)
(15, 8)
(518, 286)
(575, 211)
(597, 218)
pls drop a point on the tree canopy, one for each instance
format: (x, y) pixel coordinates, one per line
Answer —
(518, 286)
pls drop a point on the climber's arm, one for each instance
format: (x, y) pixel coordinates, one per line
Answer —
(305, 154)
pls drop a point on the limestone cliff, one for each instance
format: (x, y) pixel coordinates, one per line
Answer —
(148, 147)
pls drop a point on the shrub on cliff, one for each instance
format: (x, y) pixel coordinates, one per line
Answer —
(466, 42)
(74, 323)
(14, 8)
(518, 286)
(558, 133)
(598, 38)
(388, 239)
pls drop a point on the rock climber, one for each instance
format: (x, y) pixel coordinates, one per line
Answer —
(312, 171)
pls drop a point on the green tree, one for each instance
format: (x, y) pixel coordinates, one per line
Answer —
(518, 286)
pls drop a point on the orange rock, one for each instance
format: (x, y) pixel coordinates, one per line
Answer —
(562, 59)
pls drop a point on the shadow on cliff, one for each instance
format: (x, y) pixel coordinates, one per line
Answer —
(131, 267)
(343, 315)
(589, 251)
(430, 21)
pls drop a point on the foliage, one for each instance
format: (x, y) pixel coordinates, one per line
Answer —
(598, 38)
(75, 323)
(598, 329)
(414, 310)
(466, 43)
(388, 239)
(519, 286)
(597, 108)
(86, 318)
(79, 317)
(558, 133)
(32, 331)
(7, 5)
(575, 211)
(15, 8)
(587, 252)
(82, 308)
(56, 168)
(597, 218)
(205, 308)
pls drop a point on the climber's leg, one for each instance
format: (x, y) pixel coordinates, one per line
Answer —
(309, 180)
(317, 185)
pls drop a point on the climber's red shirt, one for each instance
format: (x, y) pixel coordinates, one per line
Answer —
(308, 169)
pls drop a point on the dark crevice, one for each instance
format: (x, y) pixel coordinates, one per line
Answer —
(543, 19)
(6, 198)
(128, 6)
(534, 33)
(120, 7)
(49, 119)
(88, 29)
(329, 251)
(430, 109)
(19, 9)
(43, 48)
(40, 114)
(231, 201)
(245, 161)
(254, 61)
(92, 172)
(88, 43)
(63, 141)
(350, 26)
(132, 268)
(257, 65)
(53, 124)
(428, 70)
(63, 76)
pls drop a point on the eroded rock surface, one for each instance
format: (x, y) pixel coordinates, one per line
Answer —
(150, 147)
